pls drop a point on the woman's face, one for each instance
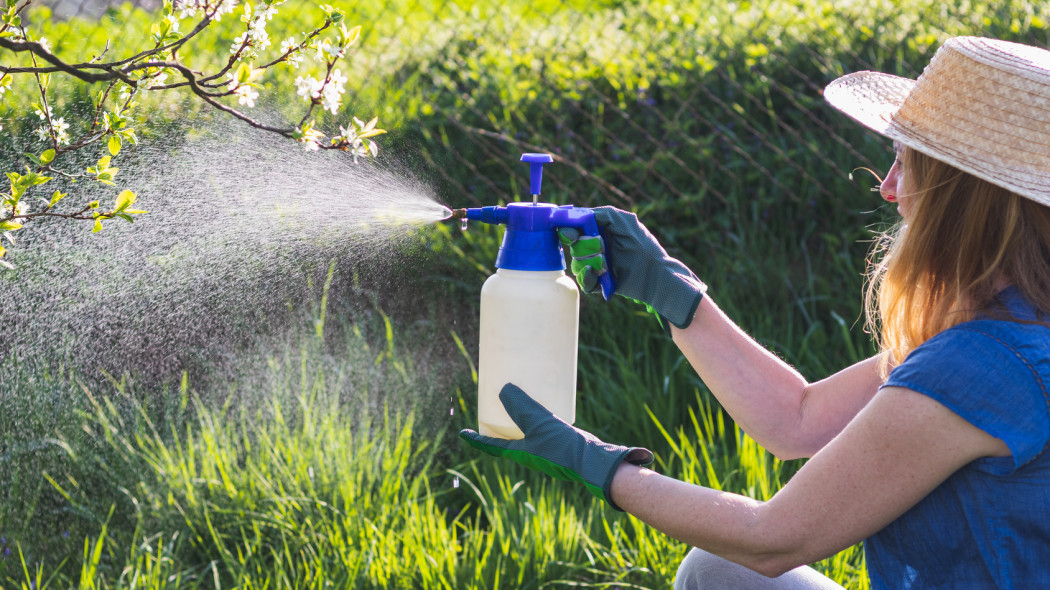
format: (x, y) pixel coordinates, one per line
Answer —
(897, 187)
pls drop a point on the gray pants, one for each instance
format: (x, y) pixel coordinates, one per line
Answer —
(701, 570)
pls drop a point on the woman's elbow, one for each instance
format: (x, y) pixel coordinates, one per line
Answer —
(791, 448)
(770, 564)
(775, 567)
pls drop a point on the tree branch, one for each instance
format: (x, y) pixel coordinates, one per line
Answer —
(77, 71)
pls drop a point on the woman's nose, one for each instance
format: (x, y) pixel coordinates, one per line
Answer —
(889, 184)
(887, 192)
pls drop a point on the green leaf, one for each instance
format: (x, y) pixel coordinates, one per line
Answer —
(114, 144)
(126, 217)
(98, 226)
(33, 179)
(9, 225)
(103, 163)
(244, 73)
(124, 200)
(47, 157)
(350, 37)
(55, 198)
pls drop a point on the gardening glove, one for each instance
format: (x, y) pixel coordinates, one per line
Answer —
(641, 267)
(556, 448)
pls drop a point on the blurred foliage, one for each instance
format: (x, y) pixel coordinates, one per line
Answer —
(705, 118)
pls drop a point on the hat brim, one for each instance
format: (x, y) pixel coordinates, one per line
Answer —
(871, 98)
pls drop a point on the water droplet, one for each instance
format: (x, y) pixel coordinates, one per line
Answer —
(451, 411)
(463, 224)
(455, 482)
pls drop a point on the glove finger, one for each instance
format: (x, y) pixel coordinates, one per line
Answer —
(586, 246)
(595, 262)
(588, 280)
(568, 235)
(526, 412)
(497, 447)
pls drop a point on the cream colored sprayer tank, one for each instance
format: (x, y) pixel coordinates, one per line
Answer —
(529, 334)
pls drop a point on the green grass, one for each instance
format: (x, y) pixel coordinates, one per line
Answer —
(305, 487)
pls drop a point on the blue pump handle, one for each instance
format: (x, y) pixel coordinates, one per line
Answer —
(536, 162)
(582, 218)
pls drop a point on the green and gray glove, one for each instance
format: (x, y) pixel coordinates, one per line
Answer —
(556, 448)
(642, 269)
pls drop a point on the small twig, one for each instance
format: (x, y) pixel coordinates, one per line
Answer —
(99, 56)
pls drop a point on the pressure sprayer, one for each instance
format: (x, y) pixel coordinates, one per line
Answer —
(530, 309)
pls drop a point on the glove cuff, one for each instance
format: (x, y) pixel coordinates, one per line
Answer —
(639, 456)
(680, 300)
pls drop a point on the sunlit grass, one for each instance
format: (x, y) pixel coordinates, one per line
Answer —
(308, 491)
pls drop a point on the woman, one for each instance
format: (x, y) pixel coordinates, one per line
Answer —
(934, 451)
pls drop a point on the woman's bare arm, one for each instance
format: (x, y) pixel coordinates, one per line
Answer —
(768, 398)
(896, 451)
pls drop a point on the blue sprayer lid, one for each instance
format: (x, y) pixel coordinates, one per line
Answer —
(530, 241)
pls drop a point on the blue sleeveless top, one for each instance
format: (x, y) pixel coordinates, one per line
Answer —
(988, 525)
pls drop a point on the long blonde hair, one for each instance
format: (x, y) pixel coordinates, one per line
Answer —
(964, 239)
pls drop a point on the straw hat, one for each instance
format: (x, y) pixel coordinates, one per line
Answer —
(981, 105)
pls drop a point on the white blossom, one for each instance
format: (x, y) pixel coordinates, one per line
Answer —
(190, 8)
(311, 139)
(45, 44)
(260, 39)
(295, 56)
(61, 131)
(157, 80)
(45, 113)
(326, 51)
(238, 43)
(246, 95)
(268, 12)
(308, 87)
(332, 95)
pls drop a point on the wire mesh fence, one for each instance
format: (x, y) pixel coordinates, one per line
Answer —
(706, 118)
(636, 99)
